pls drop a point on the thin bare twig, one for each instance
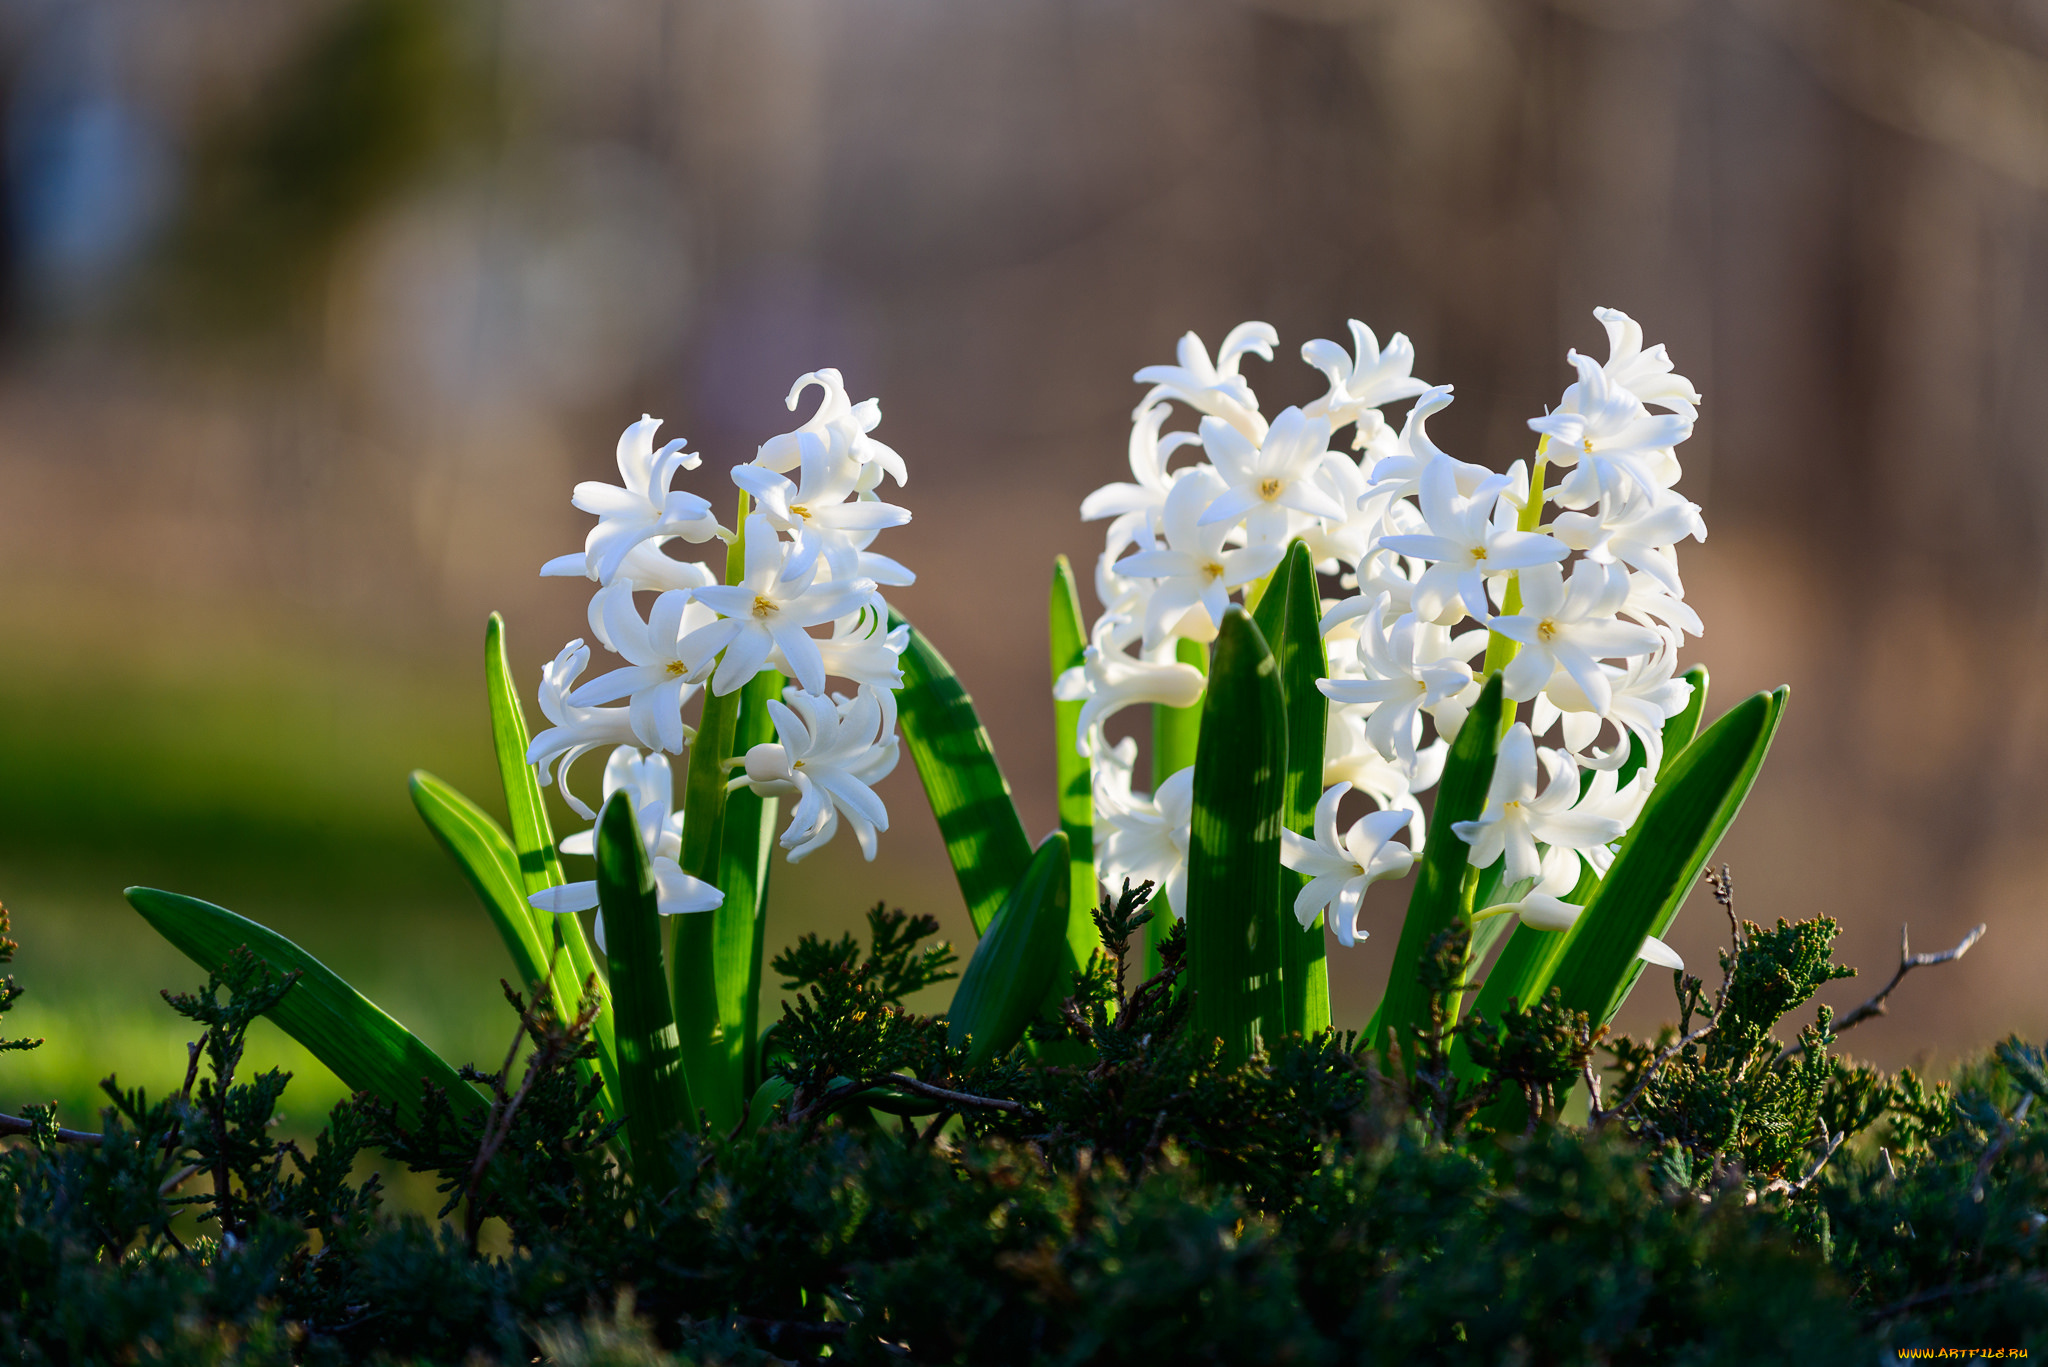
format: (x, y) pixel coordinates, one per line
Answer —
(931, 1093)
(1794, 1188)
(14, 1124)
(1908, 961)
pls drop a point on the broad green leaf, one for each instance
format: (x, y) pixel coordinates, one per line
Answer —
(1662, 856)
(739, 926)
(533, 844)
(1289, 616)
(486, 858)
(1441, 882)
(1176, 734)
(1233, 912)
(715, 1064)
(489, 864)
(366, 1048)
(658, 1100)
(1074, 772)
(1018, 960)
(969, 796)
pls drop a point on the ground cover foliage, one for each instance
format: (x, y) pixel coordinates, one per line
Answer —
(1113, 1191)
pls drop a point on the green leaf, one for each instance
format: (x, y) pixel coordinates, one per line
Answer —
(366, 1048)
(1233, 912)
(539, 866)
(1074, 772)
(739, 926)
(533, 844)
(1441, 875)
(479, 848)
(969, 796)
(1176, 735)
(1662, 856)
(1289, 616)
(1018, 960)
(657, 1090)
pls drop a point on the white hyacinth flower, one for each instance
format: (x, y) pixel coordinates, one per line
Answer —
(841, 424)
(1640, 529)
(1133, 503)
(1139, 838)
(1571, 628)
(1107, 681)
(1267, 480)
(1193, 573)
(655, 676)
(1470, 540)
(1617, 444)
(830, 753)
(577, 730)
(651, 789)
(1517, 817)
(1398, 681)
(765, 612)
(1644, 372)
(1341, 867)
(1218, 389)
(643, 509)
(1363, 381)
(821, 512)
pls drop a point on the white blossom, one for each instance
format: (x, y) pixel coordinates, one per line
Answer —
(765, 612)
(1470, 540)
(1544, 907)
(1217, 389)
(830, 753)
(1131, 504)
(1517, 817)
(577, 730)
(1571, 628)
(1193, 573)
(655, 676)
(1267, 480)
(1397, 681)
(1364, 381)
(1341, 867)
(1140, 838)
(651, 790)
(1108, 680)
(643, 509)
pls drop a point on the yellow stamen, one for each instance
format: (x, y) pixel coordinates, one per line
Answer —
(765, 606)
(1269, 489)
(677, 668)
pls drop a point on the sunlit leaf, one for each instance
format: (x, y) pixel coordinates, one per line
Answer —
(658, 1100)
(367, 1049)
(1233, 912)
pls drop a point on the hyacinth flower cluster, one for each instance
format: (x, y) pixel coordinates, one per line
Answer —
(1320, 611)
(805, 565)
(1451, 571)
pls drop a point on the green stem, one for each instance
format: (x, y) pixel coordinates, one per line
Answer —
(693, 961)
(1499, 649)
(1176, 731)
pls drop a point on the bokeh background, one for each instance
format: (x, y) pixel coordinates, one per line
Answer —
(311, 312)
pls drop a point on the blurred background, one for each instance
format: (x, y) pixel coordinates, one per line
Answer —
(312, 311)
